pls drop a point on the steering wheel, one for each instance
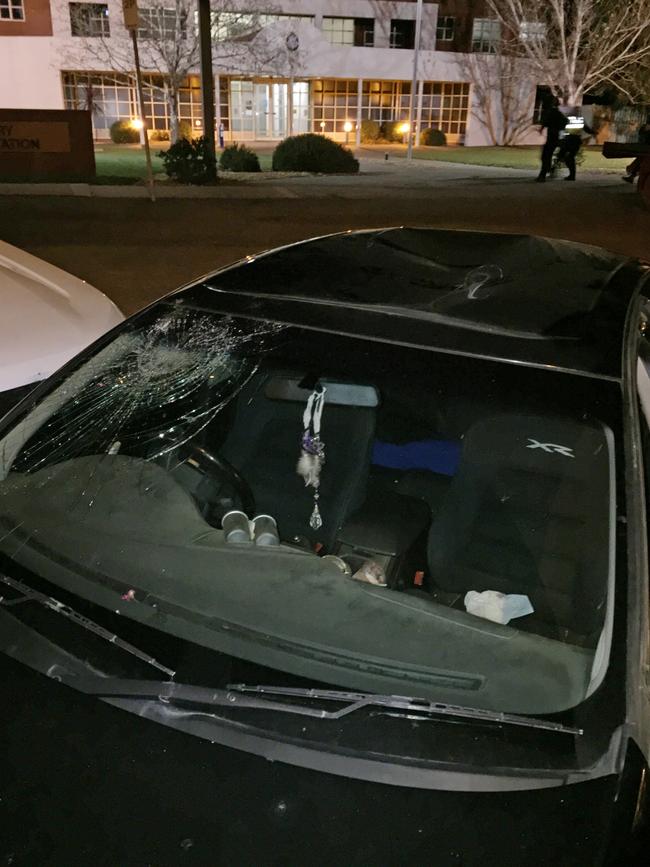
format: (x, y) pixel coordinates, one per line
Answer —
(221, 470)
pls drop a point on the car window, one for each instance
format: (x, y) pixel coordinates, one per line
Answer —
(378, 517)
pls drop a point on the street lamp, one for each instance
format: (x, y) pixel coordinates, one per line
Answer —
(347, 128)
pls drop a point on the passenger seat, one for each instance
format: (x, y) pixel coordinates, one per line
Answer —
(529, 512)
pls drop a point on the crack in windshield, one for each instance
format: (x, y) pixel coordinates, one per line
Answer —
(165, 386)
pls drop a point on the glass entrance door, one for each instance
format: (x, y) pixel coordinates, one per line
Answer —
(259, 109)
(270, 107)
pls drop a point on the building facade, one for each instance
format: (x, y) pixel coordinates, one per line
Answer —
(321, 66)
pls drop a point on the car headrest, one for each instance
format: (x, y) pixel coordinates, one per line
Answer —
(567, 447)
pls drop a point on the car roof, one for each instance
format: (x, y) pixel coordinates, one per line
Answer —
(520, 298)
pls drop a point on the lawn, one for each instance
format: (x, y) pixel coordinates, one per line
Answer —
(525, 157)
(127, 163)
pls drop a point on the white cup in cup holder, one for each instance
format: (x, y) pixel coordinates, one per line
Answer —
(265, 530)
(236, 526)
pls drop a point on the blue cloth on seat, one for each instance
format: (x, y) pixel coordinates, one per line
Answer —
(438, 456)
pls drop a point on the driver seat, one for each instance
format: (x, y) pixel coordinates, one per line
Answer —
(264, 444)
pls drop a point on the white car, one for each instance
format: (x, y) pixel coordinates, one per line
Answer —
(48, 316)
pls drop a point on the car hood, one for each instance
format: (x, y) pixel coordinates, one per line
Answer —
(48, 316)
(84, 782)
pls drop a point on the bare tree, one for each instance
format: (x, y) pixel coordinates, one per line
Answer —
(639, 82)
(88, 100)
(502, 100)
(577, 45)
(169, 45)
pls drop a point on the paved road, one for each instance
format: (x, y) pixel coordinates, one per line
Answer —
(136, 251)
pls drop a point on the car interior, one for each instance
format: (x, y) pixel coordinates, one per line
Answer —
(432, 473)
(469, 508)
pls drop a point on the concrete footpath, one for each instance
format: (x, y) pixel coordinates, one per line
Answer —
(375, 177)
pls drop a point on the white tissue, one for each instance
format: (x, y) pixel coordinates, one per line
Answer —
(498, 607)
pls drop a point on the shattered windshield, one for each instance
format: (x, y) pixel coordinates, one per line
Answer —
(356, 513)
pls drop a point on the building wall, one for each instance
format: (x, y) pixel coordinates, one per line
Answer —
(33, 72)
(463, 13)
(36, 20)
(29, 75)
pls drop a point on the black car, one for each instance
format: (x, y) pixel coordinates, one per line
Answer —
(337, 556)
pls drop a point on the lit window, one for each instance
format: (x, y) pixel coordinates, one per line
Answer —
(89, 19)
(445, 106)
(486, 35)
(111, 96)
(445, 28)
(12, 10)
(532, 31)
(339, 31)
(158, 23)
(333, 103)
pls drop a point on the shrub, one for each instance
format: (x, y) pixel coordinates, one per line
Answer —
(370, 131)
(389, 130)
(433, 137)
(310, 152)
(239, 158)
(159, 135)
(188, 161)
(123, 133)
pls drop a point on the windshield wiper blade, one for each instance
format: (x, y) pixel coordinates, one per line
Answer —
(241, 695)
(52, 604)
(408, 704)
(245, 697)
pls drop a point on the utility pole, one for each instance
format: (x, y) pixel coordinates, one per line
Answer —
(207, 85)
(131, 22)
(414, 82)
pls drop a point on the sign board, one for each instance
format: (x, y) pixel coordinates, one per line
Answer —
(25, 136)
(131, 16)
(46, 143)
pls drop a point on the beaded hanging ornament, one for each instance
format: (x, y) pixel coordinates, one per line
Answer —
(312, 451)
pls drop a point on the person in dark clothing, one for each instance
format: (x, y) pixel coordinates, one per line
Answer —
(553, 121)
(570, 145)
